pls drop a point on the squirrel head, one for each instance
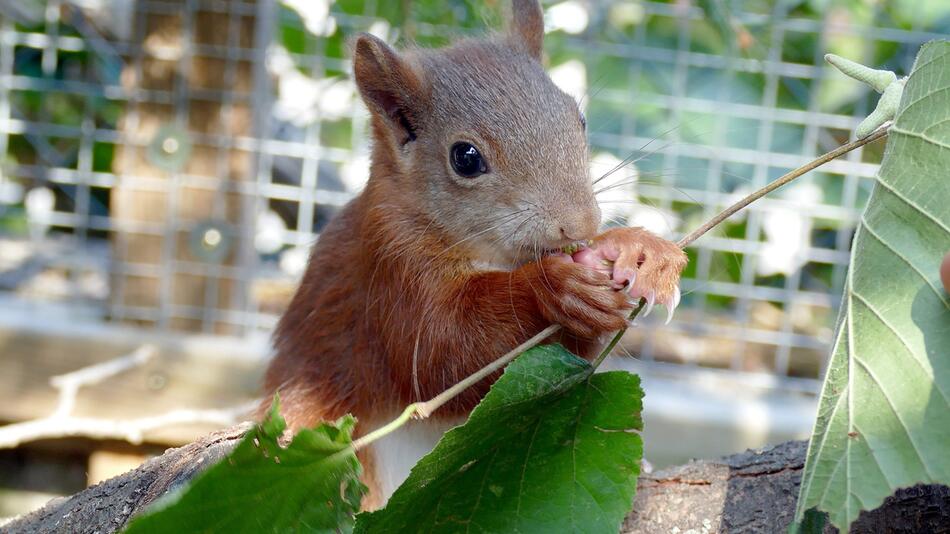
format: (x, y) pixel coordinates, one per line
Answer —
(480, 139)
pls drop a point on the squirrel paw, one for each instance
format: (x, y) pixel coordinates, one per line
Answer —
(642, 264)
(581, 299)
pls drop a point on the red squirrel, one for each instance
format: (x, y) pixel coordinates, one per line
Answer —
(449, 256)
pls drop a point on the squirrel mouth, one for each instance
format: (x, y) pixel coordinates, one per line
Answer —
(576, 246)
(526, 255)
(570, 249)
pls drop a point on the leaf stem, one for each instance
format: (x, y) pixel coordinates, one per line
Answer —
(735, 208)
(422, 410)
(406, 414)
(785, 179)
(434, 403)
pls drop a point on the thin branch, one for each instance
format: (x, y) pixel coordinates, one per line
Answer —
(735, 208)
(422, 410)
(404, 417)
(95, 374)
(431, 405)
(131, 430)
(61, 423)
(68, 384)
(821, 160)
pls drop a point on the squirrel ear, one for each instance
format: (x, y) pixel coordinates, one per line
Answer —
(528, 26)
(388, 85)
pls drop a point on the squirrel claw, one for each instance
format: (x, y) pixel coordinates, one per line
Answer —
(672, 304)
(651, 300)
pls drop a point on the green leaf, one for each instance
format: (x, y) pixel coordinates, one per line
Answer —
(311, 485)
(551, 448)
(884, 415)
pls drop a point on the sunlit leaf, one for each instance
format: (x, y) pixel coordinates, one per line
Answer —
(552, 448)
(884, 416)
(311, 485)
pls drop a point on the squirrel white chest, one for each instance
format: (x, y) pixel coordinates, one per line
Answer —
(396, 453)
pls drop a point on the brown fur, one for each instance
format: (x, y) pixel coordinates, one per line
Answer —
(426, 276)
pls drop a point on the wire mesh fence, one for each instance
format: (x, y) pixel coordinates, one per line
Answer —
(169, 163)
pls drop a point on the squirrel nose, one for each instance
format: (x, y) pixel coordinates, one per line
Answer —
(574, 223)
(579, 228)
(570, 236)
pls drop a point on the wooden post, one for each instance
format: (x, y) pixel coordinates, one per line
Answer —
(190, 88)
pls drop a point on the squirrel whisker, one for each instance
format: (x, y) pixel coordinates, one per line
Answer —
(477, 234)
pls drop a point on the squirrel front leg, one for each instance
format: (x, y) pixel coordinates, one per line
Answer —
(488, 313)
(640, 263)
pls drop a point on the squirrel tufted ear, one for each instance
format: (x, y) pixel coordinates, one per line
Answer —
(389, 86)
(528, 25)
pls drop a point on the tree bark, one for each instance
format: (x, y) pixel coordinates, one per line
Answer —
(108, 506)
(754, 491)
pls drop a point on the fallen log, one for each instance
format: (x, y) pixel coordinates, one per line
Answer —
(753, 491)
(756, 491)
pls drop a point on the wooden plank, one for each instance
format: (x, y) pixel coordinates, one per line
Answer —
(189, 371)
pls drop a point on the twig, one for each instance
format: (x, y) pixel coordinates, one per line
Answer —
(405, 416)
(61, 423)
(812, 165)
(421, 410)
(131, 430)
(68, 384)
(431, 405)
(424, 409)
(733, 209)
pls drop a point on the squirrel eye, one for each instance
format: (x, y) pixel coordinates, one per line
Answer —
(467, 160)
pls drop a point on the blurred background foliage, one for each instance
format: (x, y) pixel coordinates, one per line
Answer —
(708, 98)
(576, 27)
(593, 51)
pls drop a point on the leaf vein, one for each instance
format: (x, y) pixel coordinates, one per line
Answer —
(890, 403)
(481, 491)
(905, 259)
(911, 203)
(524, 468)
(921, 136)
(929, 372)
(923, 97)
(831, 477)
(834, 410)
